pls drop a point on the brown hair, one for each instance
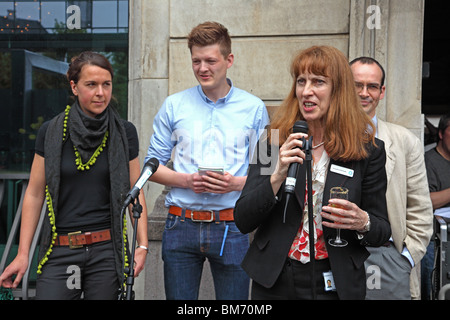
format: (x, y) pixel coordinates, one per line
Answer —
(209, 33)
(444, 123)
(87, 58)
(346, 123)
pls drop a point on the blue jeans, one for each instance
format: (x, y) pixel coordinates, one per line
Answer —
(186, 245)
(427, 266)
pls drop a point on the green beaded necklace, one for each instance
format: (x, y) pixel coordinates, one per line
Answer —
(78, 162)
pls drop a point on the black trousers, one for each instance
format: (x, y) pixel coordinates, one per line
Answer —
(294, 283)
(88, 272)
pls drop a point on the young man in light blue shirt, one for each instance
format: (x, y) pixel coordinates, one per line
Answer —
(214, 126)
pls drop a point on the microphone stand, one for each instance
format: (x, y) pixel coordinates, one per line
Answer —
(137, 210)
(312, 258)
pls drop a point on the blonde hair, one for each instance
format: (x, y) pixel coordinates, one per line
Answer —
(346, 124)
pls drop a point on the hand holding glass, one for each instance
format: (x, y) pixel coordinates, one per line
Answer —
(339, 193)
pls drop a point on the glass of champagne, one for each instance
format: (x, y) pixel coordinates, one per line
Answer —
(339, 193)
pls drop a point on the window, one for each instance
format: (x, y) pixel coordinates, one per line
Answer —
(37, 41)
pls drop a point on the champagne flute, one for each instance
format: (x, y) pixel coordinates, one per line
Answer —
(339, 193)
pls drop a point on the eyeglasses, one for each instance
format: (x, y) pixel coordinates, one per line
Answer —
(371, 87)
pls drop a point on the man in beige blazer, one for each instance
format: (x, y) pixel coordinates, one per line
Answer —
(393, 270)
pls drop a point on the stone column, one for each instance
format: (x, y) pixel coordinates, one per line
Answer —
(147, 89)
(392, 32)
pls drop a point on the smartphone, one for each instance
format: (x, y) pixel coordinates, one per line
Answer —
(202, 170)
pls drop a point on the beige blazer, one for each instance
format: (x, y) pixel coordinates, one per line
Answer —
(408, 199)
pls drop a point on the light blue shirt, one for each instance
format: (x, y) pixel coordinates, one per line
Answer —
(200, 132)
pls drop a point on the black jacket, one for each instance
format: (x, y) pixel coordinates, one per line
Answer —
(258, 208)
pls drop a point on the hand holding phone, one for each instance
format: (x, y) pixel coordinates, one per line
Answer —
(203, 169)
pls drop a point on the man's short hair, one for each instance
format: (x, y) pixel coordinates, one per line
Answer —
(209, 33)
(444, 123)
(369, 60)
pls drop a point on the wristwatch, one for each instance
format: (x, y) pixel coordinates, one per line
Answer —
(367, 226)
(360, 233)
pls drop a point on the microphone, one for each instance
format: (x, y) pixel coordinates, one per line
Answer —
(149, 169)
(291, 180)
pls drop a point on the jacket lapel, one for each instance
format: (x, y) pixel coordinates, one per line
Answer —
(300, 185)
(383, 135)
(335, 178)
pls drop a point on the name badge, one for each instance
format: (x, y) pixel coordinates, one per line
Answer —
(342, 170)
(329, 281)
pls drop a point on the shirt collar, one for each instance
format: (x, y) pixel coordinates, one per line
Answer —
(375, 122)
(224, 99)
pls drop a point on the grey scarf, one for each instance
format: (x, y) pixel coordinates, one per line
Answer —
(86, 132)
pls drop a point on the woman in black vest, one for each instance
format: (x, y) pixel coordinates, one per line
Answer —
(86, 159)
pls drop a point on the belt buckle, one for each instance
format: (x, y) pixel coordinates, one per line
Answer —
(69, 236)
(211, 219)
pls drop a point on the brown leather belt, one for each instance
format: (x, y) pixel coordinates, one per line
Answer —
(204, 216)
(77, 239)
